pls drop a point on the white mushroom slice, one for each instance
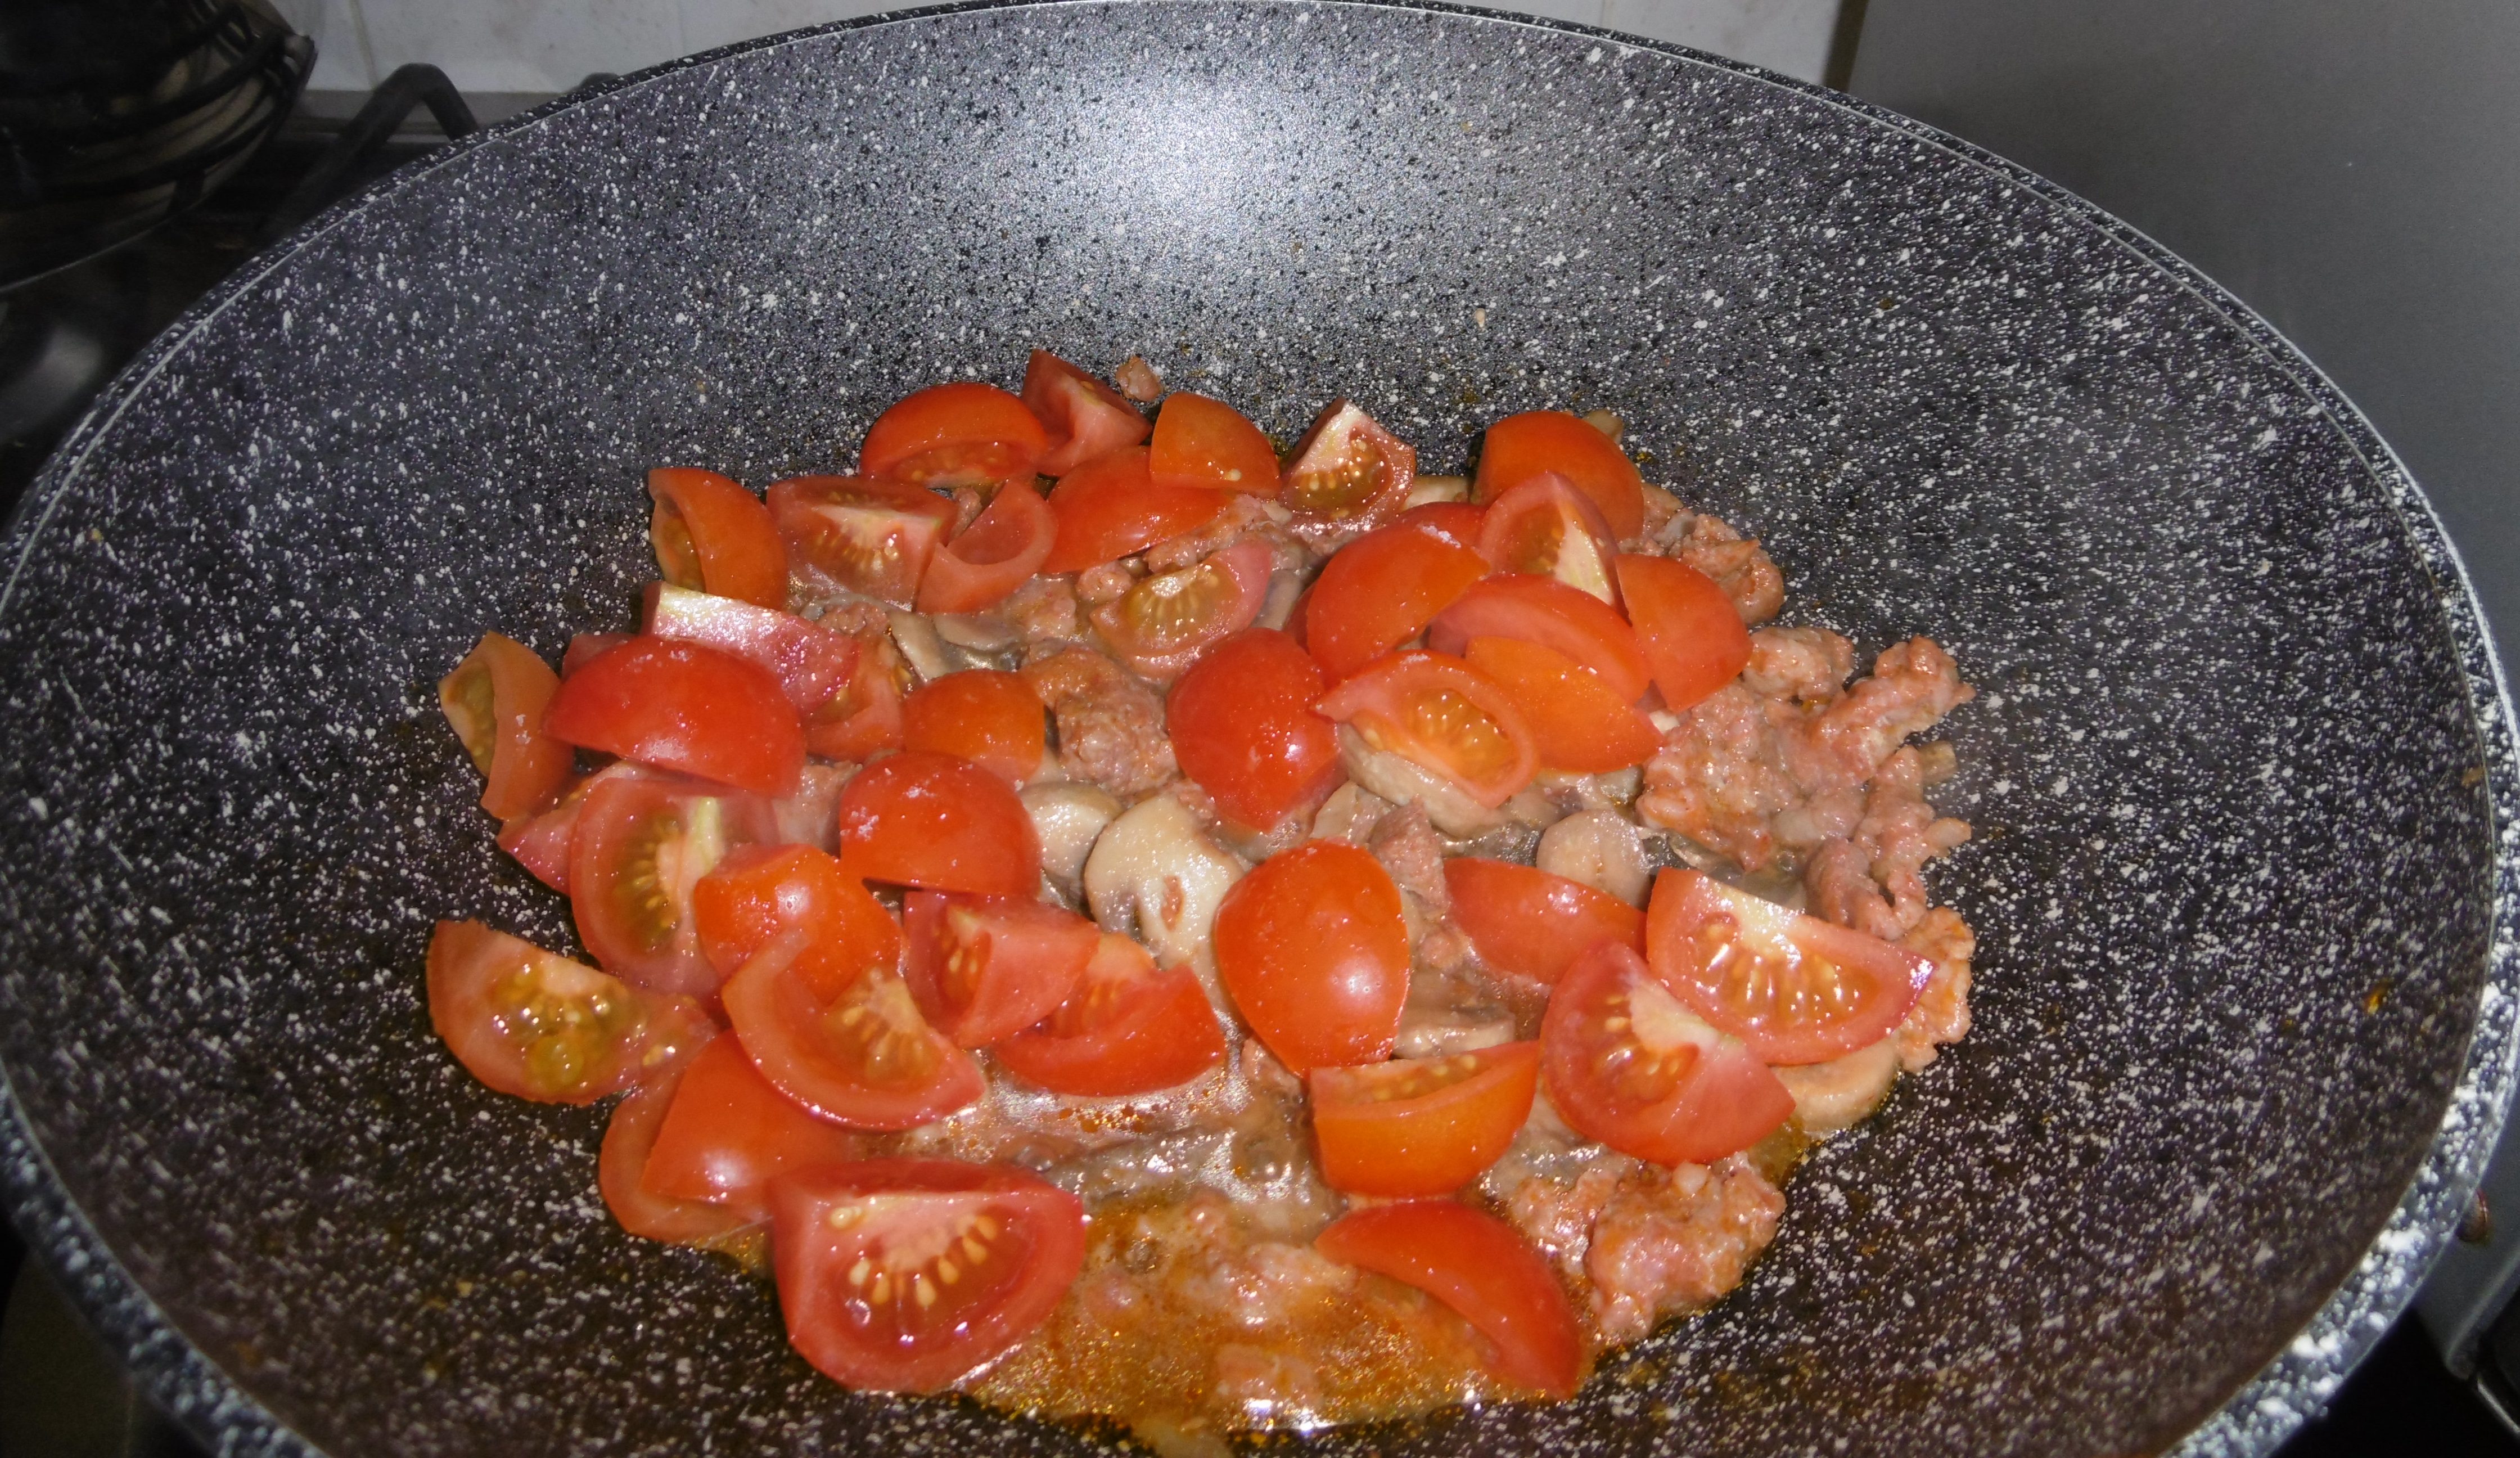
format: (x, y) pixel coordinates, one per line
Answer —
(1285, 589)
(919, 646)
(981, 632)
(1433, 488)
(1155, 872)
(1834, 1095)
(1600, 848)
(1401, 781)
(1068, 817)
(1350, 814)
(1440, 1035)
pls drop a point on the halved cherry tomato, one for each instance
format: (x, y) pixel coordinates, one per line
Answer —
(990, 717)
(536, 1025)
(714, 536)
(1529, 923)
(641, 848)
(813, 664)
(931, 820)
(1346, 474)
(964, 434)
(994, 556)
(760, 893)
(986, 968)
(1110, 506)
(1313, 948)
(729, 1133)
(1441, 715)
(1479, 1267)
(1519, 447)
(495, 701)
(867, 718)
(1161, 625)
(904, 1274)
(854, 534)
(1130, 1028)
(1545, 526)
(1576, 722)
(622, 1167)
(1244, 729)
(1420, 1125)
(1204, 443)
(1689, 631)
(542, 841)
(1627, 1063)
(1454, 521)
(682, 707)
(585, 648)
(1553, 615)
(1382, 590)
(1081, 415)
(1797, 989)
(855, 1052)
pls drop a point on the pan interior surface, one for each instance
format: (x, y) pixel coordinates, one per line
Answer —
(2235, 762)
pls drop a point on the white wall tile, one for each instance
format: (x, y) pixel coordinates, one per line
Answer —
(524, 45)
(1788, 35)
(340, 59)
(709, 23)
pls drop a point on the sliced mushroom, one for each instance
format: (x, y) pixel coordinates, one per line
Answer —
(979, 632)
(1350, 814)
(1600, 848)
(1068, 817)
(1435, 1033)
(1433, 488)
(1153, 870)
(1834, 1095)
(1285, 589)
(1400, 781)
(920, 647)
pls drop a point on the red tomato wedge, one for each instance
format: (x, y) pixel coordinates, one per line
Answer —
(1691, 635)
(964, 434)
(1553, 615)
(1454, 521)
(1438, 712)
(621, 1170)
(986, 968)
(1313, 950)
(1129, 1027)
(542, 841)
(1529, 923)
(1548, 527)
(901, 1275)
(855, 1051)
(1110, 506)
(813, 664)
(714, 536)
(585, 648)
(1161, 625)
(760, 893)
(495, 701)
(1479, 1267)
(1244, 729)
(728, 1133)
(1795, 988)
(1627, 1063)
(945, 824)
(1346, 474)
(990, 717)
(532, 1023)
(1002, 548)
(1576, 722)
(1081, 416)
(641, 848)
(1382, 590)
(1420, 1125)
(1519, 447)
(1204, 443)
(682, 707)
(848, 533)
(867, 718)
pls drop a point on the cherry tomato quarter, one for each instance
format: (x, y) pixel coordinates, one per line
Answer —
(1244, 729)
(998, 553)
(1479, 1267)
(866, 719)
(1519, 447)
(1553, 615)
(1795, 988)
(1382, 590)
(1207, 443)
(728, 1133)
(1547, 527)
(1443, 715)
(857, 1053)
(621, 1172)
(964, 434)
(1627, 1063)
(1577, 724)
(1161, 625)
(682, 707)
(990, 717)
(1525, 920)
(1420, 1125)
(714, 536)
(848, 533)
(760, 893)
(1347, 475)
(1110, 506)
(1689, 632)
(945, 824)
(1313, 948)
(986, 968)
(496, 700)
(538, 1026)
(1130, 1028)
(1081, 416)
(813, 664)
(639, 850)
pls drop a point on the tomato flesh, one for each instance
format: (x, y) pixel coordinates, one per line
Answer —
(856, 1051)
(641, 847)
(728, 1133)
(1314, 950)
(1545, 526)
(1244, 729)
(1204, 443)
(1457, 522)
(1627, 1063)
(990, 717)
(1379, 591)
(1795, 988)
(1161, 625)
(1440, 714)
(760, 893)
(1081, 416)
(813, 664)
(932, 820)
(684, 706)
(849, 533)
(986, 968)
(1420, 1125)
(1110, 506)
(1690, 634)
(1347, 475)
(1577, 724)
(496, 700)
(1479, 1267)
(1130, 1028)
(1553, 615)
(1527, 922)
(714, 536)
(998, 553)
(1519, 447)
(865, 718)
(964, 434)
(529, 1023)
(621, 1172)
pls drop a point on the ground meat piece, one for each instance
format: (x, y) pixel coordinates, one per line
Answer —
(1111, 726)
(1245, 516)
(969, 503)
(1138, 379)
(1043, 610)
(1676, 1241)
(1263, 1383)
(1714, 546)
(1873, 880)
(1266, 1283)
(1558, 1217)
(1445, 948)
(1097, 585)
(855, 615)
(1404, 839)
(1266, 1075)
(1941, 1013)
(1838, 880)
(1806, 666)
(1914, 684)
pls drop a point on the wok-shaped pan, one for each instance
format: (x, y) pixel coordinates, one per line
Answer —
(2244, 999)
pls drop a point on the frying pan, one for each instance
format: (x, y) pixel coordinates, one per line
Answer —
(2244, 1002)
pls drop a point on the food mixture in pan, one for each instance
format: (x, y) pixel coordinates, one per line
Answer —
(1119, 921)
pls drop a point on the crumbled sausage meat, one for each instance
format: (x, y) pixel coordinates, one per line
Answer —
(1942, 1013)
(1043, 610)
(1404, 839)
(1675, 1241)
(1111, 726)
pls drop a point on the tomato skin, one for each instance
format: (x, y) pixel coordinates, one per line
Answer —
(1689, 631)
(1243, 728)
(1519, 447)
(867, 718)
(1161, 627)
(1457, 522)
(1576, 722)
(639, 849)
(1627, 1064)
(1346, 474)
(855, 1052)
(990, 717)
(621, 1169)
(1546, 526)
(1553, 615)
(1002, 548)
(1313, 948)
(813, 664)
(1438, 712)
(1532, 924)
(585, 648)
(851, 533)
(986, 968)
(1422, 1126)
(496, 700)
(728, 1133)
(1795, 988)
(1130, 1028)
(1110, 506)
(714, 536)
(1479, 1267)
(1379, 591)
(1081, 416)
(964, 434)
(538, 1026)
(682, 707)
(942, 823)
(760, 893)
(1207, 443)
(1022, 1237)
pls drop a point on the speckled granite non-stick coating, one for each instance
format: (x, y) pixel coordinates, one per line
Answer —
(2236, 765)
